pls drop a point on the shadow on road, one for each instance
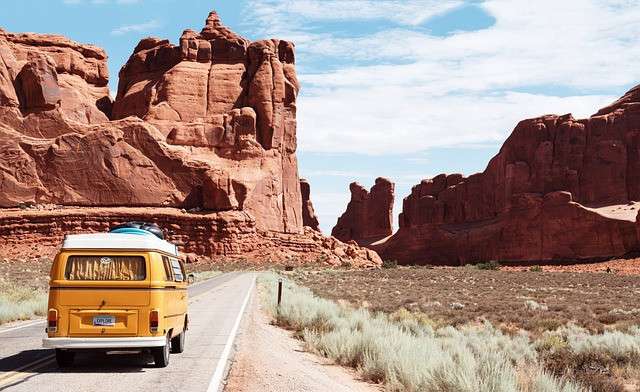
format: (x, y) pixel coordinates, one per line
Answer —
(8, 364)
(85, 362)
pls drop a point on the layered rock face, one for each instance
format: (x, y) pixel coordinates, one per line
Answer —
(231, 235)
(231, 100)
(309, 217)
(208, 126)
(559, 189)
(368, 217)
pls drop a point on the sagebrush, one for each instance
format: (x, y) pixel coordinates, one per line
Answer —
(21, 303)
(406, 353)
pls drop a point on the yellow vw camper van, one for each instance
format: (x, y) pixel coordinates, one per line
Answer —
(125, 289)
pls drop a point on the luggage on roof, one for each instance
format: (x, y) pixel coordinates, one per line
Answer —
(134, 226)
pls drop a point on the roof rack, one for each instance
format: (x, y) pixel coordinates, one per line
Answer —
(119, 241)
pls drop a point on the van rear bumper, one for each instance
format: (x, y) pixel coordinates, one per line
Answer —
(79, 343)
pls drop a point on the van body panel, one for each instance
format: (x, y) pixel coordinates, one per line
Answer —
(81, 322)
(84, 305)
(100, 298)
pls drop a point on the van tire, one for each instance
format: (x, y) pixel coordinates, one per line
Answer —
(64, 358)
(161, 354)
(177, 343)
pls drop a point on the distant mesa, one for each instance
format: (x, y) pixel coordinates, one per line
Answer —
(560, 189)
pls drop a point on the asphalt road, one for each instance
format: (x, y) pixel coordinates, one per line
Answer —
(215, 310)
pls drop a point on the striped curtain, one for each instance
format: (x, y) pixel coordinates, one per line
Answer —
(105, 268)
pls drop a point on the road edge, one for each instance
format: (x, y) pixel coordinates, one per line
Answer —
(219, 374)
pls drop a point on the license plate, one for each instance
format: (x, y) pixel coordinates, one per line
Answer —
(104, 321)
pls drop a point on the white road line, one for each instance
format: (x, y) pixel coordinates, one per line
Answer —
(22, 326)
(216, 380)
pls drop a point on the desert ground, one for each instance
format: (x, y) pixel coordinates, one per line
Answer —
(551, 306)
(530, 299)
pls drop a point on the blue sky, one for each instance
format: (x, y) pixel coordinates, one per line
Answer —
(402, 89)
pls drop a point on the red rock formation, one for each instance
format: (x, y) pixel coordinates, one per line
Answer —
(309, 217)
(51, 71)
(232, 235)
(557, 190)
(208, 125)
(368, 217)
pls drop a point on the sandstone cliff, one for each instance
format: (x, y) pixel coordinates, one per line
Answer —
(207, 126)
(559, 189)
(368, 217)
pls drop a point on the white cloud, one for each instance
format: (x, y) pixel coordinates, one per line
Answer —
(410, 90)
(378, 120)
(136, 28)
(408, 12)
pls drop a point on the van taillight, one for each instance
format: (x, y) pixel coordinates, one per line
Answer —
(154, 318)
(52, 320)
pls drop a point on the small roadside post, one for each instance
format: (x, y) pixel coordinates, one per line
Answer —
(279, 291)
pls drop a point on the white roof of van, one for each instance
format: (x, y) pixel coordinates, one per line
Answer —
(118, 241)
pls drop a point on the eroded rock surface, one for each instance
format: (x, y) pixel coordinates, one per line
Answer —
(369, 214)
(208, 125)
(309, 218)
(547, 195)
(229, 235)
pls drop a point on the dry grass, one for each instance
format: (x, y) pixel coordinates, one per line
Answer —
(405, 353)
(21, 303)
(23, 288)
(582, 325)
(533, 301)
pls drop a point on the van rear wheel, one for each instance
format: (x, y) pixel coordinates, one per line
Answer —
(161, 354)
(64, 358)
(177, 343)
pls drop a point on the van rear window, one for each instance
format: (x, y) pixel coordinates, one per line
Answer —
(105, 268)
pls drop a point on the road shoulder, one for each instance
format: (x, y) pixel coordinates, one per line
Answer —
(269, 359)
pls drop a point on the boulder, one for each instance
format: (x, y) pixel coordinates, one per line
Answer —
(37, 85)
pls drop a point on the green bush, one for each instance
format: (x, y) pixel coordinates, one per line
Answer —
(389, 263)
(490, 265)
(535, 268)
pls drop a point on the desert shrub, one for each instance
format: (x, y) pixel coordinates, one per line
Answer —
(416, 323)
(406, 354)
(533, 305)
(21, 303)
(551, 343)
(490, 265)
(623, 347)
(590, 359)
(389, 263)
(535, 268)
